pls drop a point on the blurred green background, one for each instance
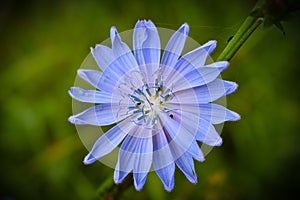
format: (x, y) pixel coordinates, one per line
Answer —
(42, 44)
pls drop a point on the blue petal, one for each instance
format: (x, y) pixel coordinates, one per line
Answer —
(143, 159)
(208, 134)
(193, 59)
(139, 180)
(126, 159)
(205, 132)
(186, 164)
(213, 113)
(119, 176)
(146, 46)
(122, 52)
(90, 96)
(108, 141)
(162, 155)
(192, 123)
(135, 154)
(180, 139)
(175, 46)
(146, 43)
(209, 47)
(98, 79)
(166, 175)
(199, 76)
(114, 72)
(115, 75)
(103, 56)
(100, 115)
(195, 151)
(163, 161)
(123, 64)
(91, 76)
(198, 57)
(217, 114)
(205, 93)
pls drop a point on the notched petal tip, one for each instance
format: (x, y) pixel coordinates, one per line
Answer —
(70, 92)
(81, 73)
(117, 179)
(119, 176)
(168, 189)
(97, 46)
(166, 175)
(72, 119)
(212, 42)
(218, 142)
(223, 65)
(73, 90)
(75, 120)
(210, 46)
(89, 159)
(139, 180)
(113, 30)
(184, 29)
(138, 187)
(139, 24)
(170, 186)
(200, 158)
(144, 24)
(113, 33)
(234, 86)
(193, 179)
(92, 49)
(150, 24)
(117, 182)
(220, 65)
(234, 116)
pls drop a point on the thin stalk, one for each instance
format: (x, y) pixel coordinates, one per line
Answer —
(247, 28)
(110, 191)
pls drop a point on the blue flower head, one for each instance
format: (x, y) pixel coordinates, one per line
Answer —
(161, 105)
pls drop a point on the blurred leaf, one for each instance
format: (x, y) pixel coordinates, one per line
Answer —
(275, 11)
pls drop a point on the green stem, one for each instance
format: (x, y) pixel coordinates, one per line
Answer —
(110, 191)
(247, 28)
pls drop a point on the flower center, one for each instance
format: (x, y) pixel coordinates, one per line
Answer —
(148, 101)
